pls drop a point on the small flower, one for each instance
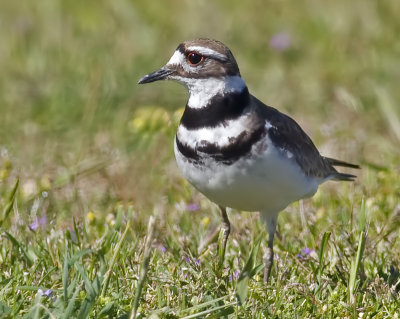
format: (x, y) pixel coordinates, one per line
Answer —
(35, 224)
(43, 221)
(163, 249)
(280, 41)
(110, 219)
(47, 293)
(90, 217)
(205, 221)
(186, 259)
(236, 274)
(305, 253)
(230, 278)
(197, 262)
(193, 207)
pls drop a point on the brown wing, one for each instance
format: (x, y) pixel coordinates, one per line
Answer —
(285, 132)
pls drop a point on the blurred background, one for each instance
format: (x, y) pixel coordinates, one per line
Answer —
(74, 124)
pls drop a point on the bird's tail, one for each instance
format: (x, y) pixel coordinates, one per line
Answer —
(341, 176)
(335, 162)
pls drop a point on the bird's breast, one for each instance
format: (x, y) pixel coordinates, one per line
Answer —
(242, 170)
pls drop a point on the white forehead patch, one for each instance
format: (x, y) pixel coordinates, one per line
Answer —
(177, 58)
(207, 51)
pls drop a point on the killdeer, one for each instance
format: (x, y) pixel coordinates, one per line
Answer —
(237, 151)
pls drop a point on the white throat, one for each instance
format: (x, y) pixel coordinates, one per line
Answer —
(202, 90)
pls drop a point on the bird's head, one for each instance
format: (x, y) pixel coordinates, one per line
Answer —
(206, 67)
(196, 60)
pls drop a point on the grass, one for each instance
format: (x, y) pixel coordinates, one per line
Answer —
(86, 161)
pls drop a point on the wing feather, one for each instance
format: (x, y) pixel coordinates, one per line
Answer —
(285, 132)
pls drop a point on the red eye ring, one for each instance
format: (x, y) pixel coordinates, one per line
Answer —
(194, 58)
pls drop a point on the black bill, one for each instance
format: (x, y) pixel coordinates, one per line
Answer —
(155, 76)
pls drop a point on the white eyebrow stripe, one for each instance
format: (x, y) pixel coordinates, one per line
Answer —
(177, 58)
(207, 51)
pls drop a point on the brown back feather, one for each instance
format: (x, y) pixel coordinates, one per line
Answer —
(290, 136)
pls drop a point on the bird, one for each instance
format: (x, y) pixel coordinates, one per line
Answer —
(237, 151)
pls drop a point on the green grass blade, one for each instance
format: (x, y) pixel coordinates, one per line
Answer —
(362, 216)
(321, 261)
(355, 266)
(11, 197)
(221, 251)
(204, 304)
(65, 275)
(248, 271)
(211, 310)
(119, 218)
(77, 256)
(92, 289)
(76, 230)
(5, 310)
(28, 259)
(143, 267)
(35, 310)
(11, 200)
(71, 304)
(114, 259)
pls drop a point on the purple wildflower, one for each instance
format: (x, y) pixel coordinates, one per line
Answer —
(236, 274)
(305, 253)
(35, 224)
(43, 220)
(163, 249)
(47, 293)
(230, 278)
(193, 207)
(197, 262)
(186, 259)
(280, 41)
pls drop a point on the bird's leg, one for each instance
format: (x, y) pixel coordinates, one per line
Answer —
(226, 226)
(269, 252)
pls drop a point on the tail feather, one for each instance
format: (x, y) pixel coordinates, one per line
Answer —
(343, 177)
(335, 162)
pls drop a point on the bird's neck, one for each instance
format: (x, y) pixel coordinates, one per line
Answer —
(203, 91)
(216, 104)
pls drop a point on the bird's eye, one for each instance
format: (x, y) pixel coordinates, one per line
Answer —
(194, 58)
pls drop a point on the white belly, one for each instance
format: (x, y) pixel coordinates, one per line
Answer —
(267, 182)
